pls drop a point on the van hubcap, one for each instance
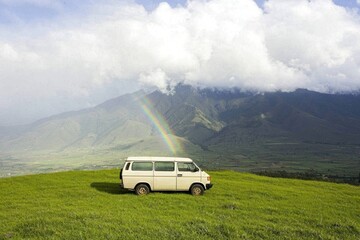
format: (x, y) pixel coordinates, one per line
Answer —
(197, 191)
(142, 191)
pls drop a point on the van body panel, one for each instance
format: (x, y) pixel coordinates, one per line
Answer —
(186, 179)
(164, 181)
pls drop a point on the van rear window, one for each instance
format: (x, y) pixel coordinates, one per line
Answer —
(142, 166)
(164, 166)
(127, 166)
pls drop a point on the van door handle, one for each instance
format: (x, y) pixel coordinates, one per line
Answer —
(179, 175)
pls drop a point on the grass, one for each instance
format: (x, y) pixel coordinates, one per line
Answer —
(90, 205)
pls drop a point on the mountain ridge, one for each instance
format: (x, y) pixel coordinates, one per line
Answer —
(209, 123)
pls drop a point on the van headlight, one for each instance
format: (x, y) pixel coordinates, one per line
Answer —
(209, 178)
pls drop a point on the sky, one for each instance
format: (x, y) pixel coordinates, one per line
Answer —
(60, 55)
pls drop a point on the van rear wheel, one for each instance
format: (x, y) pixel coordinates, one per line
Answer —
(142, 189)
(197, 190)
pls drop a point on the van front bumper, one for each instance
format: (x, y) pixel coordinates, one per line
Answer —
(208, 186)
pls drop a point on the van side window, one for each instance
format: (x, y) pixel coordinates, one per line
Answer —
(164, 166)
(127, 166)
(142, 166)
(186, 167)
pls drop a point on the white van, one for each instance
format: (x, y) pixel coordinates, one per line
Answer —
(145, 174)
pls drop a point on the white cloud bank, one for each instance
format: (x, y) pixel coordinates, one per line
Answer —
(220, 43)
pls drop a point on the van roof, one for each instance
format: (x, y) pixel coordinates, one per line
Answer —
(165, 159)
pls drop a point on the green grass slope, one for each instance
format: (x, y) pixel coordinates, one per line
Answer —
(90, 205)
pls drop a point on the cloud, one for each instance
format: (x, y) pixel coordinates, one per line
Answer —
(319, 38)
(285, 45)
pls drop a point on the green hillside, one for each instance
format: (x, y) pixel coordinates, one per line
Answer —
(90, 205)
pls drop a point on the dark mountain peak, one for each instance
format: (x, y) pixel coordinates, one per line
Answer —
(303, 90)
(184, 88)
(213, 92)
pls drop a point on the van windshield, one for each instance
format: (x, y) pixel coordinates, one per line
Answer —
(186, 167)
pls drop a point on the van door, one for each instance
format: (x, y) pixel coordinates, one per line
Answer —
(187, 174)
(141, 172)
(164, 176)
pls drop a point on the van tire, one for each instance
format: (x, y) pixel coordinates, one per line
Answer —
(197, 189)
(142, 189)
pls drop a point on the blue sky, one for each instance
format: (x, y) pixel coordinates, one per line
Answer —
(61, 55)
(15, 11)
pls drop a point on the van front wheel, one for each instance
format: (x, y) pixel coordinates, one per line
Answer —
(197, 190)
(142, 189)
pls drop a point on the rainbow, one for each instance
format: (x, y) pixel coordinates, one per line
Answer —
(160, 124)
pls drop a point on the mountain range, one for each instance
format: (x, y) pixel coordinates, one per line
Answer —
(295, 131)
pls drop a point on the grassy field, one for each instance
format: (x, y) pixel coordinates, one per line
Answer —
(90, 205)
